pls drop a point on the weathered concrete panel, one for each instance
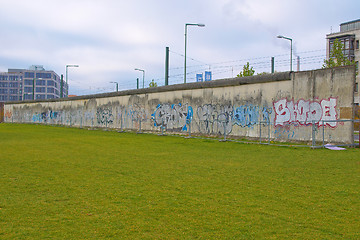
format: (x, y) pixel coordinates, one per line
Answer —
(283, 105)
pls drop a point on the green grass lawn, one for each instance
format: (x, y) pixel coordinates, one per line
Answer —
(66, 183)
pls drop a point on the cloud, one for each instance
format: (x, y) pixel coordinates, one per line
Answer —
(109, 38)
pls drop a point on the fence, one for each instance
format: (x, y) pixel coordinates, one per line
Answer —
(310, 134)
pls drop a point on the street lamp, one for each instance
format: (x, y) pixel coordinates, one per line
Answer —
(280, 36)
(186, 25)
(138, 69)
(117, 86)
(67, 66)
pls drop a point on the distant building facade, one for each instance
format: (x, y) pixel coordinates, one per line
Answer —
(31, 84)
(349, 36)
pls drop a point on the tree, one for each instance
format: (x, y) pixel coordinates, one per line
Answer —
(152, 83)
(247, 71)
(336, 57)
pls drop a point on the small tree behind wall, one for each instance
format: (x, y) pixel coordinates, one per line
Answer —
(337, 57)
(247, 71)
(153, 84)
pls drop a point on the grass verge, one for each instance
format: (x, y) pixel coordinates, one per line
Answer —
(66, 183)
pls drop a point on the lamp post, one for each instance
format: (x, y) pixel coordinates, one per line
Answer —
(67, 66)
(141, 70)
(117, 85)
(280, 36)
(186, 25)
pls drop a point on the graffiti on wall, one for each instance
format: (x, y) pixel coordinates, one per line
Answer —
(306, 112)
(39, 117)
(217, 119)
(284, 116)
(8, 114)
(214, 119)
(246, 115)
(174, 116)
(45, 117)
(285, 132)
(137, 113)
(104, 116)
(266, 115)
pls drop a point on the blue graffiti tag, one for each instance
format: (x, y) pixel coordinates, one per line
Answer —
(246, 115)
(266, 114)
(189, 117)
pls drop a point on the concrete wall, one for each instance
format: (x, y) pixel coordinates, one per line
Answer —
(283, 105)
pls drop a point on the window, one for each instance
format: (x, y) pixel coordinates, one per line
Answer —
(13, 91)
(50, 83)
(28, 82)
(331, 45)
(40, 96)
(356, 87)
(40, 82)
(28, 89)
(13, 84)
(50, 90)
(13, 98)
(28, 97)
(50, 96)
(40, 89)
(3, 98)
(3, 91)
(347, 44)
(4, 84)
(29, 75)
(357, 44)
(4, 78)
(43, 75)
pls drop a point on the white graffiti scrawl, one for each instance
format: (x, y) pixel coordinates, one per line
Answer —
(306, 112)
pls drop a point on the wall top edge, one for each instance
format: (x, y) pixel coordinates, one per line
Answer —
(228, 82)
(281, 76)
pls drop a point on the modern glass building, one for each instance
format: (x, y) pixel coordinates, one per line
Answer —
(31, 84)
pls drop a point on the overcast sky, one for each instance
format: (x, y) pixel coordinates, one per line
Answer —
(108, 39)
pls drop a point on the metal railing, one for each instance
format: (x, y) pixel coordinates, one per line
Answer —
(309, 134)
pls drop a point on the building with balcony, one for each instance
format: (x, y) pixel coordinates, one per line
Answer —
(31, 84)
(349, 36)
